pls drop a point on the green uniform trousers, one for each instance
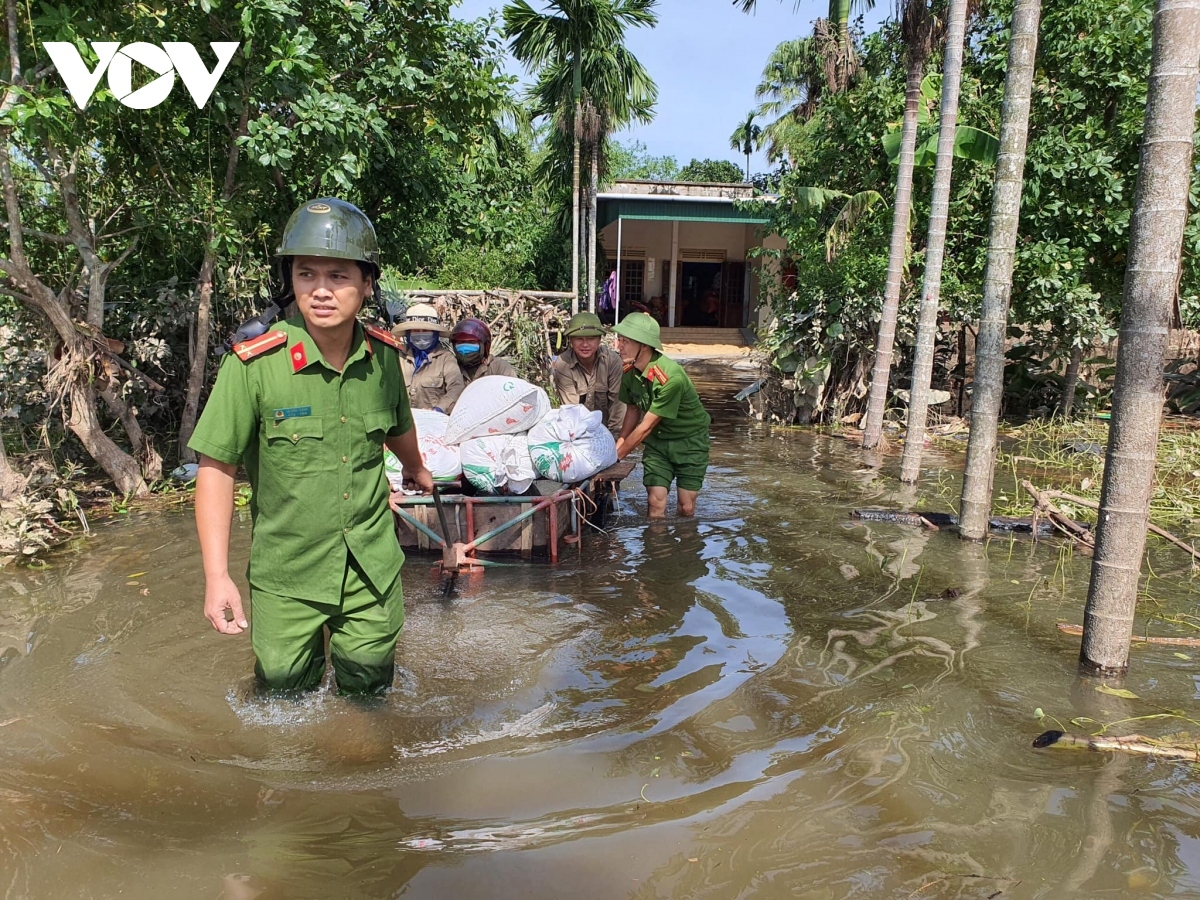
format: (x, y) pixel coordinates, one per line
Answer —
(682, 460)
(289, 641)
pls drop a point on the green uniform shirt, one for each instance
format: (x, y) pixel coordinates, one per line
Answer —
(312, 442)
(665, 390)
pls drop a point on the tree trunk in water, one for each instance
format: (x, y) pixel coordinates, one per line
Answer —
(935, 247)
(199, 361)
(143, 447)
(986, 398)
(593, 200)
(575, 208)
(1067, 402)
(85, 424)
(897, 257)
(1155, 246)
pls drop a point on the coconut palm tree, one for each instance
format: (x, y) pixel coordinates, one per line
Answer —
(745, 138)
(920, 31)
(1151, 279)
(563, 39)
(976, 506)
(617, 91)
(935, 244)
(841, 53)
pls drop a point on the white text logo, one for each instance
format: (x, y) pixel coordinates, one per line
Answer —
(164, 61)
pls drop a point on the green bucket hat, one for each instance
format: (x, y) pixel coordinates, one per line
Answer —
(333, 228)
(640, 327)
(584, 324)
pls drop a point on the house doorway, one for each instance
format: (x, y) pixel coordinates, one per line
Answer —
(709, 294)
(699, 303)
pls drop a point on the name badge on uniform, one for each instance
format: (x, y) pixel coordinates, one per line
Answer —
(292, 412)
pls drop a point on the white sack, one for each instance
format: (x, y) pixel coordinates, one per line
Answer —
(571, 444)
(498, 464)
(440, 458)
(496, 404)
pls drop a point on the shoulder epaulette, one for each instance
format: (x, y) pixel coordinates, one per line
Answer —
(247, 350)
(386, 336)
(654, 373)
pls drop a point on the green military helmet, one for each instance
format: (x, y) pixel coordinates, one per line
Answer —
(330, 227)
(584, 324)
(640, 327)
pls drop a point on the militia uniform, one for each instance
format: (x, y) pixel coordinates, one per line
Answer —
(599, 389)
(677, 448)
(324, 549)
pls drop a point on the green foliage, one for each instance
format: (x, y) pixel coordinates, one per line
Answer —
(1085, 130)
(715, 171)
(633, 162)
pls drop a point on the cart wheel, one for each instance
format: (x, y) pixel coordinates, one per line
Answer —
(604, 498)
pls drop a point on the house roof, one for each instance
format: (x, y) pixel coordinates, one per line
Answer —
(671, 201)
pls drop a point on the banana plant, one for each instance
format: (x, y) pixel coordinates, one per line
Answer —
(969, 143)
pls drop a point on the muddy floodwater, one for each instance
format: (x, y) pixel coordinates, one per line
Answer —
(772, 700)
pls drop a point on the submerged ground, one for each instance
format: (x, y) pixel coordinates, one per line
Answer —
(770, 701)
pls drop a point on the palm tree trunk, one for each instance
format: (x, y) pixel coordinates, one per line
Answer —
(935, 247)
(897, 257)
(747, 167)
(976, 505)
(1155, 240)
(575, 208)
(1067, 402)
(592, 217)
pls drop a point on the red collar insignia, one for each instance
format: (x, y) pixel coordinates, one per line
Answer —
(299, 357)
(655, 374)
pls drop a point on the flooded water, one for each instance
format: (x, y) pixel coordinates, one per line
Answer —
(772, 700)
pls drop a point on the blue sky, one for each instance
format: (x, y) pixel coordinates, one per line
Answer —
(706, 56)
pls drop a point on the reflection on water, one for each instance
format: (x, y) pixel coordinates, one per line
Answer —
(771, 700)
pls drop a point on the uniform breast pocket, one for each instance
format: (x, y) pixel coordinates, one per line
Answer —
(599, 398)
(296, 446)
(377, 424)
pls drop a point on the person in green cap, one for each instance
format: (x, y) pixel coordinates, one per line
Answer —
(664, 416)
(308, 408)
(589, 374)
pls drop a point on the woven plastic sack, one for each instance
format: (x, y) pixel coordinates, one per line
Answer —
(496, 404)
(498, 464)
(440, 458)
(571, 444)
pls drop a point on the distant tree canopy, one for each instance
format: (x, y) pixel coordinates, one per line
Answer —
(1089, 98)
(714, 171)
(632, 161)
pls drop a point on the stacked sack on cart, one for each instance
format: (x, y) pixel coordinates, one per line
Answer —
(503, 435)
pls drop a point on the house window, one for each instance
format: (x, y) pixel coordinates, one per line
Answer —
(633, 277)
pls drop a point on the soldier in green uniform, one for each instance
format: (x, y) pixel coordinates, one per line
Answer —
(588, 373)
(664, 416)
(308, 408)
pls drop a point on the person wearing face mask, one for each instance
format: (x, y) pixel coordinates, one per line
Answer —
(472, 341)
(433, 377)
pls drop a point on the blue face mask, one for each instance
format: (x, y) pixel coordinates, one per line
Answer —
(422, 340)
(465, 350)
